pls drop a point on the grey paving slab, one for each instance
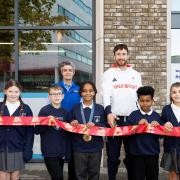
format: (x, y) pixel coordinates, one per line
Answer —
(37, 171)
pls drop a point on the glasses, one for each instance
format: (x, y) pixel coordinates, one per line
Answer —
(56, 94)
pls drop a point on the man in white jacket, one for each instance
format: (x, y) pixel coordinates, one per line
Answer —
(119, 85)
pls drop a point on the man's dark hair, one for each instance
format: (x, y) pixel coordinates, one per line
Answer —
(121, 47)
(145, 91)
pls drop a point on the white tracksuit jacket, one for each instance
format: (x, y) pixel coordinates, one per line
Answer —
(119, 90)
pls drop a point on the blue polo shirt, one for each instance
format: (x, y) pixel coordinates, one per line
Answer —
(71, 95)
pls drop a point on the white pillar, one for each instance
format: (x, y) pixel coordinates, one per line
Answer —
(56, 74)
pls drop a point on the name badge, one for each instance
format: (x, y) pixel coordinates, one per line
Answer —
(75, 91)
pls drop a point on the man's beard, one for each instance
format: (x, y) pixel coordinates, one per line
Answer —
(122, 63)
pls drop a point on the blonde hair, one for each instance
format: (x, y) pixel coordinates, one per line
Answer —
(55, 87)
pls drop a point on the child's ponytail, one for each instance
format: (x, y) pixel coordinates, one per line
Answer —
(21, 106)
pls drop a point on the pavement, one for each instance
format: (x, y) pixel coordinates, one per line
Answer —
(37, 171)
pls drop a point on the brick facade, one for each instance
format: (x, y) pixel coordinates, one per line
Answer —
(142, 25)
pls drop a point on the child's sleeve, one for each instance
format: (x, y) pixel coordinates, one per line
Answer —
(68, 137)
(71, 115)
(159, 120)
(40, 129)
(131, 120)
(163, 116)
(66, 116)
(27, 153)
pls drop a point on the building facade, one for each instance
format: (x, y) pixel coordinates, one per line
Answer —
(150, 28)
(142, 25)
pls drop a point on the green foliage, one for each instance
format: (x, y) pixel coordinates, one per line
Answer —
(31, 13)
(6, 12)
(39, 13)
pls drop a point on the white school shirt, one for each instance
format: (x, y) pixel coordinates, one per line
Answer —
(176, 111)
(12, 107)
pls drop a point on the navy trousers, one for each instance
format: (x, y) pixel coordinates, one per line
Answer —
(113, 147)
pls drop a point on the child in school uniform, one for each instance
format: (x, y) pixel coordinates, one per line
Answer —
(171, 117)
(53, 139)
(144, 148)
(87, 149)
(16, 142)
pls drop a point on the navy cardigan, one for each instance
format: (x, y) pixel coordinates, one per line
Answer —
(17, 138)
(143, 144)
(53, 139)
(96, 144)
(170, 143)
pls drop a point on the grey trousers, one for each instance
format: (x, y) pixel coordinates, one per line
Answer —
(87, 165)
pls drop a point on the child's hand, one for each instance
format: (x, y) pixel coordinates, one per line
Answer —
(143, 121)
(168, 127)
(51, 116)
(74, 123)
(90, 124)
(111, 119)
(154, 123)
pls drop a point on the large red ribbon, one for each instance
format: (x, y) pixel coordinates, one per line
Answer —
(82, 129)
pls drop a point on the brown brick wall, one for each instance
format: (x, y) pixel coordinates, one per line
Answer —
(142, 25)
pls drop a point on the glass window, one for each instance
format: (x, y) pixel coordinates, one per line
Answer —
(39, 48)
(175, 5)
(175, 55)
(7, 63)
(41, 52)
(6, 12)
(78, 57)
(175, 42)
(84, 6)
(56, 12)
(175, 14)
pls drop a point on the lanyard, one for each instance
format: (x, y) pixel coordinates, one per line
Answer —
(91, 115)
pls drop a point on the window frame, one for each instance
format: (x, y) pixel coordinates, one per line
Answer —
(16, 27)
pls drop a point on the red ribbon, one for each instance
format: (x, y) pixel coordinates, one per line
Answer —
(82, 129)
